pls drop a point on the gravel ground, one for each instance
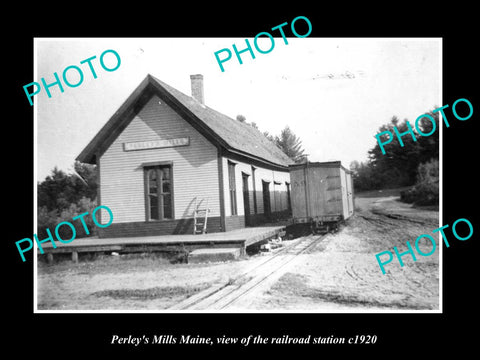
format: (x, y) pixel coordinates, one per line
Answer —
(340, 273)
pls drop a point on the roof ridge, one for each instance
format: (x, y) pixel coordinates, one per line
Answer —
(268, 146)
(231, 134)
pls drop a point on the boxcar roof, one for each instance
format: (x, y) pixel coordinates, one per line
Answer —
(319, 164)
(218, 128)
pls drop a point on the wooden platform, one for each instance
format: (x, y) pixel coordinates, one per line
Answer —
(241, 238)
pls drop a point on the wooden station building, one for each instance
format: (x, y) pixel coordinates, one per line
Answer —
(163, 154)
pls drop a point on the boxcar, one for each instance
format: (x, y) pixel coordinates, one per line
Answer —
(322, 194)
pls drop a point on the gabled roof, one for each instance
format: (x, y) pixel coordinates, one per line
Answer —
(221, 130)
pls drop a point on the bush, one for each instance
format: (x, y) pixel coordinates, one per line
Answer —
(426, 189)
(45, 219)
(408, 196)
(82, 206)
(50, 219)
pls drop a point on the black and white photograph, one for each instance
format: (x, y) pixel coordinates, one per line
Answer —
(169, 185)
(211, 182)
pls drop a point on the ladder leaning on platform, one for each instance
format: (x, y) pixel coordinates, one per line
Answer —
(200, 227)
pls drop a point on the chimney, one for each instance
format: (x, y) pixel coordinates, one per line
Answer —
(197, 88)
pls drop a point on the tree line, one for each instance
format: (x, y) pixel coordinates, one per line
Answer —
(415, 164)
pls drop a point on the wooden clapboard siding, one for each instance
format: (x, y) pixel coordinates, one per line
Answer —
(278, 200)
(344, 194)
(321, 190)
(278, 193)
(262, 175)
(234, 222)
(351, 202)
(194, 167)
(299, 196)
(226, 187)
(240, 168)
(150, 228)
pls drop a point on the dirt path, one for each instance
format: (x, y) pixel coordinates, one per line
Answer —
(342, 273)
(338, 273)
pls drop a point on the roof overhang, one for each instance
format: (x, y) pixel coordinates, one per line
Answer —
(134, 103)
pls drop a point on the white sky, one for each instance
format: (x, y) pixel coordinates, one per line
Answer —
(335, 116)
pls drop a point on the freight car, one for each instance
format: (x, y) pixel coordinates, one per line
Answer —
(322, 194)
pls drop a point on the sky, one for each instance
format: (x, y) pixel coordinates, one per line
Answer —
(334, 93)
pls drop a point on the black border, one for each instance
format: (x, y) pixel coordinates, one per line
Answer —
(58, 335)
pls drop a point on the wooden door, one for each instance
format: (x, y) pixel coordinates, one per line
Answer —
(267, 210)
(246, 199)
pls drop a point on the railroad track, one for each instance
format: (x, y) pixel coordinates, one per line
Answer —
(224, 296)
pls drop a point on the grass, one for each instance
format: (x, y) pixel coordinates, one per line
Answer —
(159, 292)
(101, 263)
(381, 192)
(434, 207)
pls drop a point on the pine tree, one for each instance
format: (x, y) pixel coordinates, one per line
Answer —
(291, 145)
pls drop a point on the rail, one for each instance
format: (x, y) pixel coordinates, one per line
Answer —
(222, 296)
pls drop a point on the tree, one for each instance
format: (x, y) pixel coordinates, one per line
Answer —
(59, 190)
(354, 166)
(62, 196)
(429, 146)
(241, 118)
(291, 145)
(399, 165)
(426, 189)
(364, 176)
(88, 176)
(270, 137)
(288, 142)
(53, 192)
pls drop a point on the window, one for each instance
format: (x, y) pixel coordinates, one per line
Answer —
(232, 188)
(158, 192)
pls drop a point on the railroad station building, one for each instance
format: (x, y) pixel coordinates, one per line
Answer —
(163, 154)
